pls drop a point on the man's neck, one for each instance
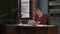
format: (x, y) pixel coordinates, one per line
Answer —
(40, 15)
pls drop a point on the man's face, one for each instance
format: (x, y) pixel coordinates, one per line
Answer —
(38, 12)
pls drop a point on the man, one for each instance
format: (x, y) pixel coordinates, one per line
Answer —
(40, 17)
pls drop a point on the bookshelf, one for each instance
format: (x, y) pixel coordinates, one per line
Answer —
(54, 6)
(54, 13)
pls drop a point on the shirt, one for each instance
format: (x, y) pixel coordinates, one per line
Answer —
(42, 19)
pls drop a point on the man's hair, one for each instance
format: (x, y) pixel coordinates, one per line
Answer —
(37, 9)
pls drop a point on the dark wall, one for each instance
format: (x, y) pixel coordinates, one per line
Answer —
(8, 11)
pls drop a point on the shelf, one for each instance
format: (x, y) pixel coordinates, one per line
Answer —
(54, 10)
(54, 7)
(54, 14)
(51, 3)
(54, 20)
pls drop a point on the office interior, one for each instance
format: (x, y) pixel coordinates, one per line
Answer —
(10, 14)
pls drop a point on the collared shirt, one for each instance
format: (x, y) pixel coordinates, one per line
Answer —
(42, 19)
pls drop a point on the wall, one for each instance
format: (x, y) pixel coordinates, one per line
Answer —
(44, 6)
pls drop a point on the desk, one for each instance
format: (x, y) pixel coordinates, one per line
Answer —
(29, 29)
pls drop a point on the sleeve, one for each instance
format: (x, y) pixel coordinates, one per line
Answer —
(44, 19)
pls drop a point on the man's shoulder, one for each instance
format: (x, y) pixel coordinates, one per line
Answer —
(45, 15)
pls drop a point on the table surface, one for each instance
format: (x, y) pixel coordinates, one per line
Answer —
(27, 25)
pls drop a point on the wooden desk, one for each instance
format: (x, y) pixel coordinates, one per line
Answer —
(40, 29)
